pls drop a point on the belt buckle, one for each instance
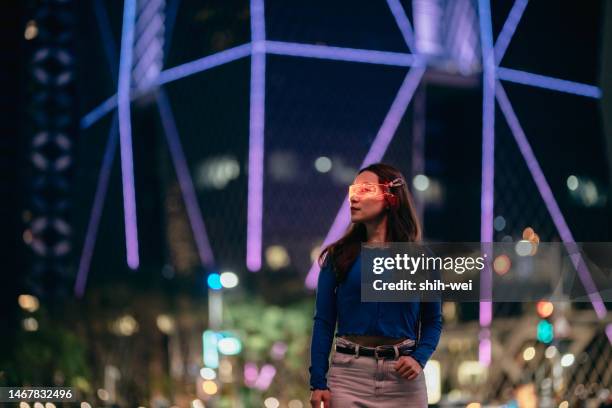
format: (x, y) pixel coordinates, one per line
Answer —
(376, 351)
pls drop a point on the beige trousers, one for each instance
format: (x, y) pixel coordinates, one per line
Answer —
(360, 382)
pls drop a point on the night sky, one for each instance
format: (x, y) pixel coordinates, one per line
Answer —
(317, 107)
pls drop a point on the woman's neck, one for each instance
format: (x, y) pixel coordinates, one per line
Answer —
(377, 231)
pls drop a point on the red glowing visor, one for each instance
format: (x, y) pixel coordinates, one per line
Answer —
(373, 190)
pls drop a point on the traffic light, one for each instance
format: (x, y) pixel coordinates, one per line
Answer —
(545, 331)
(545, 308)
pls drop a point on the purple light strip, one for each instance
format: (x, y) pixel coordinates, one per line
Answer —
(107, 162)
(184, 178)
(488, 132)
(99, 112)
(96, 210)
(271, 47)
(403, 23)
(125, 133)
(394, 117)
(376, 152)
(549, 199)
(503, 40)
(256, 136)
(204, 63)
(484, 346)
(340, 53)
(169, 75)
(546, 82)
(609, 332)
(488, 167)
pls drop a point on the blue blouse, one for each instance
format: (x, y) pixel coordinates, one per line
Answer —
(392, 319)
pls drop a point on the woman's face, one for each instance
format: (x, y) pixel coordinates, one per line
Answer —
(365, 209)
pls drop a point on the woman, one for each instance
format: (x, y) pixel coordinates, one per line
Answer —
(377, 361)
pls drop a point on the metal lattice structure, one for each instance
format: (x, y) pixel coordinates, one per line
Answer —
(416, 60)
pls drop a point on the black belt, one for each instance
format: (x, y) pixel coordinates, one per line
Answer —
(385, 351)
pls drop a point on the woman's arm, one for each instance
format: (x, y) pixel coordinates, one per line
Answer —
(431, 320)
(324, 327)
(431, 328)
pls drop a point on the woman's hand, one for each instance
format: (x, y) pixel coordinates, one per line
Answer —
(407, 367)
(320, 396)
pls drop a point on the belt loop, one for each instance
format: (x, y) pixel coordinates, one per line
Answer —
(357, 351)
(396, 351)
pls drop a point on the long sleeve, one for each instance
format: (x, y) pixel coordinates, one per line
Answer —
(431, 328)
(431, 320)
(324, 327)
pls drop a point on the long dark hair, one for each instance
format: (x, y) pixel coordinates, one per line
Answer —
(402, 225)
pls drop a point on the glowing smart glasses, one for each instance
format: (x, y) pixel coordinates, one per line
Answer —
(373, 190)
(367, 190)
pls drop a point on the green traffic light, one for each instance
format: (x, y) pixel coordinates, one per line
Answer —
(545, 331)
